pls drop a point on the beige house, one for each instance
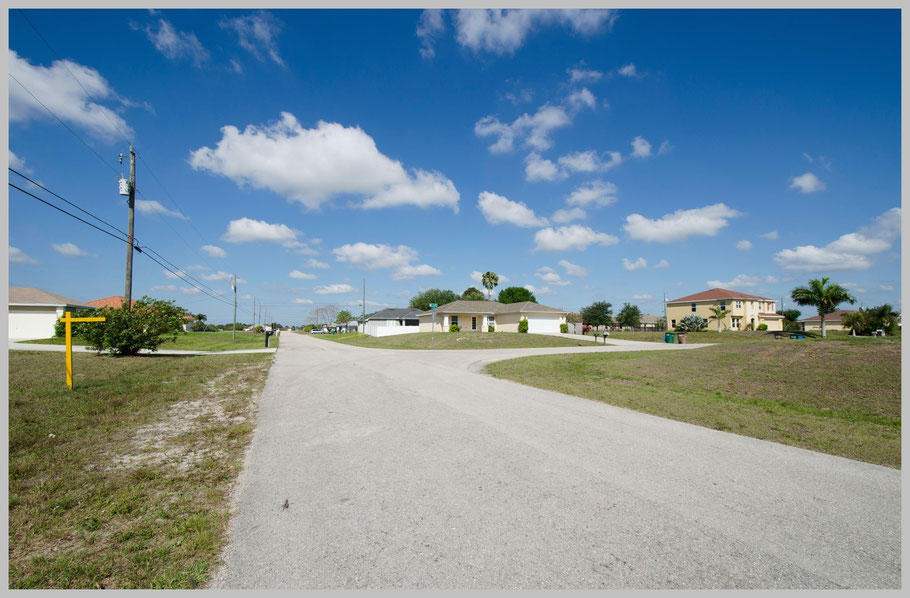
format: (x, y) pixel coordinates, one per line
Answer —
(33, 313)
(833, 321)
(745, 309)
(478, 316)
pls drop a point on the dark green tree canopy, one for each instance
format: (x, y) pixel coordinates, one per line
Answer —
(472, 294)
(599, 313)
(629, 315)
(437, 296)
(790, 315)
(516, 295)
(343, 317)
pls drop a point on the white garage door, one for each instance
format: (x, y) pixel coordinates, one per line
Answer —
(539, 324)
(31, 324)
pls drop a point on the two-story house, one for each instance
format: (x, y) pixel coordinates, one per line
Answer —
(744, 309)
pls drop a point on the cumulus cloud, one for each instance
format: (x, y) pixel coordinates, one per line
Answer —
(312, 166)
(70, 250)
(334, 289)
(573, 269)
(540, 291)
(681, 224)
(372, 257)
(582, 75)
(550, 276)
(744, 245)
(17, 256)
(301, 275)
(807, 183)
(742, 281)
(771, 235)
(534, 129)
(628, 70)
(498, 209)
(65, 97)
(849, 252)
(638, 264)
(147, 206)
(595, 193)
(214, 251)
(541, 169)
(409, 271)
(247, 230)
(256, 33)
(583, 98)
(640, 148)
(221, 275)
(564, 216)
(176, 44)
(314, 263)
(589, 161)
(503, 31)
(17, 162)
(430, 26)
(662, 264)
(571, 237)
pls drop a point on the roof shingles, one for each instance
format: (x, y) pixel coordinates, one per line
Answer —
(716, 294)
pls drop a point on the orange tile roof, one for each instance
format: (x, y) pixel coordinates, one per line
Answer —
(715, 294)
(114, 301)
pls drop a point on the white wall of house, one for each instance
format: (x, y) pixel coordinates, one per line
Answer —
(33, 322)
(379, 328)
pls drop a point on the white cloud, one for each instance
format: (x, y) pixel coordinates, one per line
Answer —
(497, 210)
(221, 275)
(641, 297)
(214, 251)
(430, 26)
(564, 216)
(314, 263)
(334, 289)
(175, 289)
(664, 148)
(885, 287)
(235, 66)
(256, 34)
(680, 225)
(541, 169)
(540, 291)
(744, 245)
(147, 206)
(807, 183)
(662, 264)
(16, 162)
(771, 235)
(63, 95)
(855, 287)
(303, 301)
(70, 250)
(502, 31)
(628, 70)
(589, 161)
(848, 252)
(408, 272)
(477, 278)
(176, 44)
(640, 148)
(550, 276)
(742, 281)
(570, 237)
(312, 166)
(373, 257)
(581, 99)
(573, 269)
(534, 129)
(301, 275)
(246, 230)
(581, 75)
(638, 264)
(17, 256)
(595, 193)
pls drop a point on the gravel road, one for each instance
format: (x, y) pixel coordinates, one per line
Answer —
(408, 469)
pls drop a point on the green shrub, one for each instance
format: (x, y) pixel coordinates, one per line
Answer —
(762, 327)
(77, 328)
(523, 326)
(564, 328)
(454, 328)
(491, 328)
(691, 323)
(150, 323)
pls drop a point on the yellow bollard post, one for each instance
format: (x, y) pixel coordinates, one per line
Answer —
(68, 319)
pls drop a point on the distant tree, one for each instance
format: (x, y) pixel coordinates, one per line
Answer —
(516, 295)
(490, 280)
(719, 314)
(472, 294)
(790, 318)
(599, 313)
(824, 296)
(343, 317)
(574, 318)
(440, 297)
(629, 315)
(692, 323)
(883, 317)
(198, 321)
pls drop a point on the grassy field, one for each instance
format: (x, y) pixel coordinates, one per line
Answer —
(712, 336)
(455, 340)
(842, 398)
(124, 482)
(195, 341)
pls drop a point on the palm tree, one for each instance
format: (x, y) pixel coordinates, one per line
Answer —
(490, 280)
(719, 315)
(825, 297)
(854, 321)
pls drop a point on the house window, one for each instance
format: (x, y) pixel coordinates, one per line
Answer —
(735, 323)
(693, 307)
(473, 322)
(491, 320)
(739, 304)
(723, 305)
(672, 323)
(454, 320)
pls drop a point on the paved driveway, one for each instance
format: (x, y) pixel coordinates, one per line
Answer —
(406, 469)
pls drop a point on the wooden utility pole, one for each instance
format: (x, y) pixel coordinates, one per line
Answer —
(128, 292)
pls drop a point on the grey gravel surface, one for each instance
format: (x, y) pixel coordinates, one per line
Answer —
(408, 469)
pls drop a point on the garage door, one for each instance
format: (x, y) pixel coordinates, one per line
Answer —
(539, 324)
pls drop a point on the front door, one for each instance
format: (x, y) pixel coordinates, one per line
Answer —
(473, 323)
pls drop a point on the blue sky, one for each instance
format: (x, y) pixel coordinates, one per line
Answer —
(591, 155)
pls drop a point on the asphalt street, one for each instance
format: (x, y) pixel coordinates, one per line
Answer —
(410, 469)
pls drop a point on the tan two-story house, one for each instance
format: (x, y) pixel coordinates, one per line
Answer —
(744, 309)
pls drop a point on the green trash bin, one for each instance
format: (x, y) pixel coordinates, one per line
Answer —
(670, 337)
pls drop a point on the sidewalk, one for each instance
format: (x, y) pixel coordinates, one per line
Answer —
(15, 345)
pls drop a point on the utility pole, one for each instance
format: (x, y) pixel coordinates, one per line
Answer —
(234, 325)
(254, 312)
(131, 202)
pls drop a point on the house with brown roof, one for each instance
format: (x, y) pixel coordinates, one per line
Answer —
(478, 316)
(833, 321)
(33, 312)
(113, 301)
(745, 310)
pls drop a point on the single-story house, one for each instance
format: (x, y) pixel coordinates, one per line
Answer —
(833, 321)
(744, 309)
(113, 301)
(477, 316)
(33, 313)
(392, 321)
(649, 322)
(350, 326)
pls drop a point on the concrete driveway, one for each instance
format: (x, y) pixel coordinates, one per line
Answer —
(407, 469)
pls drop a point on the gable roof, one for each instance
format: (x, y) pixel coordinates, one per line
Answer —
(35, 296)
(394, 313)
(649, 319)
(113, 301)
(717, 294)
(493, 308)
(834, 316)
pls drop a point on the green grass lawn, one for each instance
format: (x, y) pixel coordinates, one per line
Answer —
(712, 336)
(842, 398)
(94, 501)
(194, 341)
(455, 340)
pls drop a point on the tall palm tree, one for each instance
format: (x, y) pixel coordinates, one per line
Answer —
(490, 280)
(825, 297)
(719, 315)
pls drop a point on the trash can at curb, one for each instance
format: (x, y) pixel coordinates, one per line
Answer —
(683, 339)
(670, 337)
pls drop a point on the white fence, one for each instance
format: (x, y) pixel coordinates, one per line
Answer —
(380, 330)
